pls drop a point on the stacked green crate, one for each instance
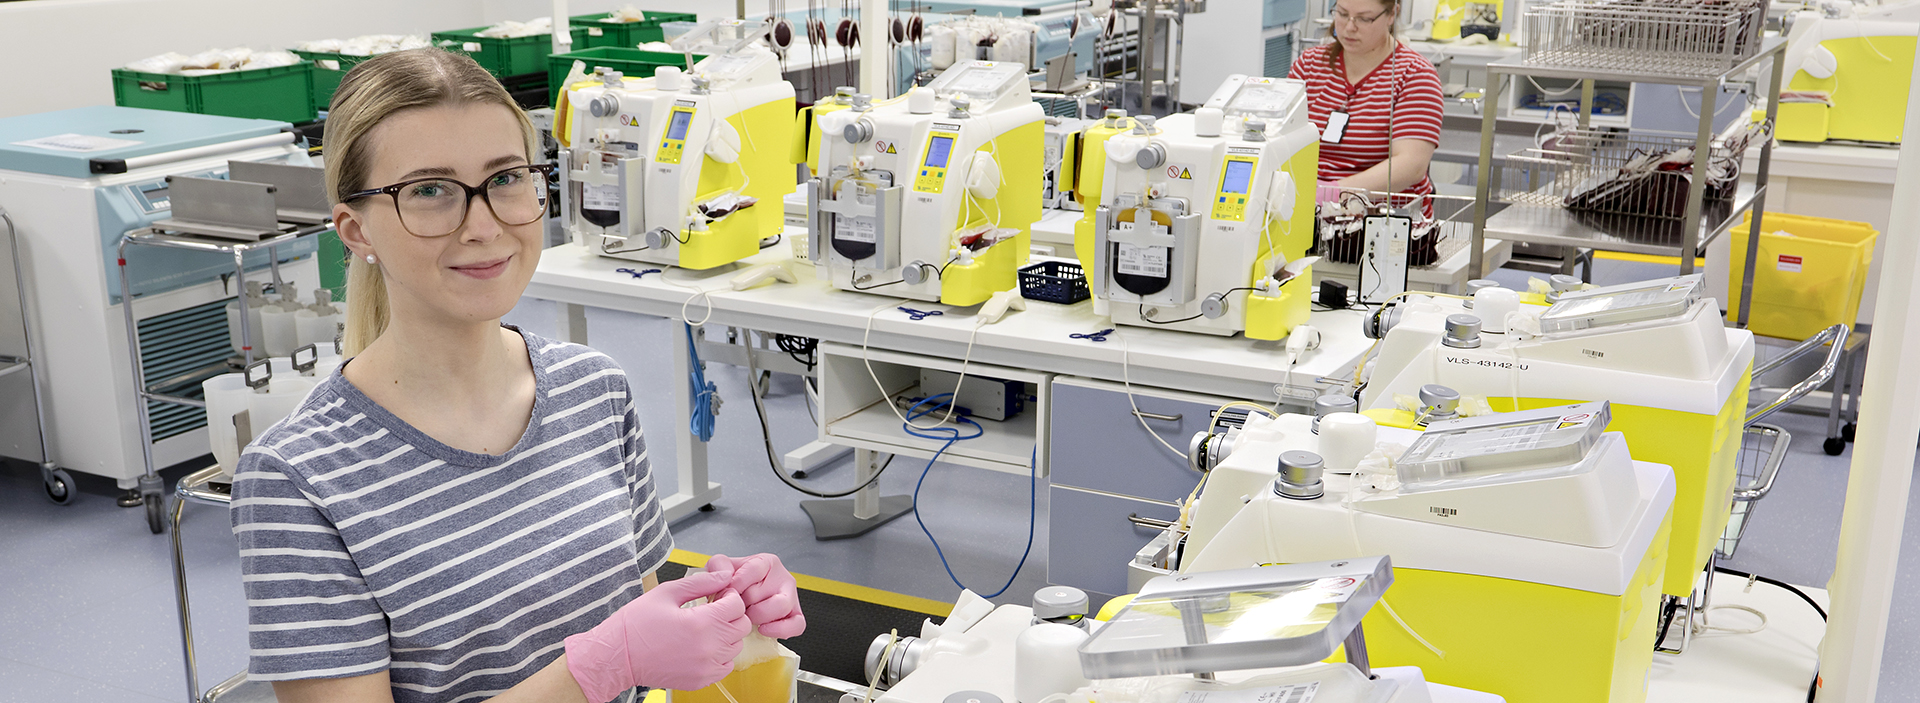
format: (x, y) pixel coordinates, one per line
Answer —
(512, 56)
(627, 34)
(327, 76)
(278, 93)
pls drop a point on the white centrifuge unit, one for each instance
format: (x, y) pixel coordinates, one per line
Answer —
(73, 182)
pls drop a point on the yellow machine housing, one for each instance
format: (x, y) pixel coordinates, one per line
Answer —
(1678, 388)
(1849, 79)
(806, 139)
(658, 166)
(1196, 222)
(932, 195)
(1519, 615)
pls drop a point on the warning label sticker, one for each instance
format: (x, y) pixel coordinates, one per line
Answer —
(1789, 263)
(1574, 420)
(1136, 260)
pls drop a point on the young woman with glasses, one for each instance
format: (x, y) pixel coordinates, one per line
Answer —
(464, 511)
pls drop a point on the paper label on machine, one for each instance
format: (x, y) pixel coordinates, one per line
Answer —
(600, 197)
(856, 230)
(1142, 261)
(1290, 693)
(77, 142)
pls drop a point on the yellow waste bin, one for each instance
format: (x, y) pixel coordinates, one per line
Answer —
(1809, 274)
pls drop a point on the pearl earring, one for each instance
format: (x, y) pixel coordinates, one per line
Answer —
(369, 258)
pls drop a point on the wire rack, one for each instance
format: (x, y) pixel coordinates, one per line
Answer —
(1762, 449)
(1664, 37)
(1442, 225)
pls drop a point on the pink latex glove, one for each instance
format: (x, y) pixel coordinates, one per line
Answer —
(652, 641)
(1327, 192)
(772, 598)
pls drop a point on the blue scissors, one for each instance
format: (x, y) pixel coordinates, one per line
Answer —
(1100, 336)
(637, 274)
(919, 315)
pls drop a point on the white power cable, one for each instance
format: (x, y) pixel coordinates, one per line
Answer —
(1126, 378)
(954, 403)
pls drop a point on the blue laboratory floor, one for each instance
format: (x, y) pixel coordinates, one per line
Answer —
(89, 609)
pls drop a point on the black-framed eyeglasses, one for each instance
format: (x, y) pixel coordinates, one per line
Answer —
(434, 207)
(1342, 14)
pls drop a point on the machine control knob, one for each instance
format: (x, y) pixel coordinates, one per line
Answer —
(1114, 116)
(861, 101)
(897, 664)
(1438, 402)
(857, 131)
(1143, 124)
(972, 697)
(916, 273)
(1256, 131)
(1474, 286)
(1151, 156)
(1562, 284)
(702, 85)
(609, 77)
(1382, 321)
(1214, 306)
(1329, 404)
(1062, 604)
(1463, 332)
(1207, 449)
(960, 107)
(604, 106)
(843, 94)
(657, 238)
(1300, 476)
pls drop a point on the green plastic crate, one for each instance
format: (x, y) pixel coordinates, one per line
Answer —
(627, 34)
(282, 93)
(326, 80)
(632, 62)
(504, 57)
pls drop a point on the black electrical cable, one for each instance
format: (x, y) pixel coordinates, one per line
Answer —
(1813, 688)
(857, 286)
(766, 440)
(1169, 322)
(771, 242)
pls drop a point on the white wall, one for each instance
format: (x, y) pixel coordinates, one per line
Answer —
(58, 54)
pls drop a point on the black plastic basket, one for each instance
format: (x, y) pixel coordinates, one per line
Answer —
(1055, 282)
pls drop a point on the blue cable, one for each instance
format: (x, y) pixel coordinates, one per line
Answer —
(702, 390)
(954, 435)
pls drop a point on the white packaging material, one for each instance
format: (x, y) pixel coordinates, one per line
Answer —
(940, 37)
(169, 62)
(511, 29)
(270, 59)
(626, 13)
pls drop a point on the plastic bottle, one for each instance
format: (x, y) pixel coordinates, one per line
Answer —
(226, 395)
(315, 323)
(254, 299)
(1046, 661)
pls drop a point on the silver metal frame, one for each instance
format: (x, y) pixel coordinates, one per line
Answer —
(152, 487)
(1691, 233)
(10, 365)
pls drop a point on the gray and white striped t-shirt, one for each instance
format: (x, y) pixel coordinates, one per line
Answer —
(367, 545)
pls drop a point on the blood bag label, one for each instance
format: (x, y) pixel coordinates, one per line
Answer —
(1290, 693)
(1790, 263)
(856, 230)
(600, 197)
(1136, 260)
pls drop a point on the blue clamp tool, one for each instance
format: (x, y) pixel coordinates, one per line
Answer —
(637, 274)
(919, 315)
(1100, 336)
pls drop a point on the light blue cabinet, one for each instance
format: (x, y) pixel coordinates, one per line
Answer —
(1090, 538)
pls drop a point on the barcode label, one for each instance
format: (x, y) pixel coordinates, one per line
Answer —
(1290, 693)
(1141, 261)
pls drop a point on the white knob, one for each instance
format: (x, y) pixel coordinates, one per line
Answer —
(1207, 121)
(669, 78)
(1345, 439)
(1493, 305)
(920, 101)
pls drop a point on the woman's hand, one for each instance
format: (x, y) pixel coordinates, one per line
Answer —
(654, 642)
(772, 598)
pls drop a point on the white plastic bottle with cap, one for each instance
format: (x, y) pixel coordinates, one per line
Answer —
(1046, 661)
(1345, 439)
(669, 78)
(1493, 305)
(316, 322)
(278, 331)
(1207, 121)
(920, 100)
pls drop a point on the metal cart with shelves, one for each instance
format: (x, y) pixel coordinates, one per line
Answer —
(1579, 42)
(16, 356)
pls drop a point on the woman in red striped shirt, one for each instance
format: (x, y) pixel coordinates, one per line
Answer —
(1376, 102)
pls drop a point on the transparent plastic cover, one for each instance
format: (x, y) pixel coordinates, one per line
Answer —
(1266, 99)
(1503, 448)
(1657, 299)
(1271, 616)
(983, 81)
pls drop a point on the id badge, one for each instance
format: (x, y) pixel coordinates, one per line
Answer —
(1336, 127)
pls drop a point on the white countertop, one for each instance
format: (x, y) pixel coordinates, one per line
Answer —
(1035, 339)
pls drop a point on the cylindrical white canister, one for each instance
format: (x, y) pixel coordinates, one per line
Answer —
(1345, 439)
(1492, 305)
(1046, 661)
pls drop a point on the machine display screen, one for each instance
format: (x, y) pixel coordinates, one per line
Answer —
(937, 152)
(678, 129)
(1239, 174)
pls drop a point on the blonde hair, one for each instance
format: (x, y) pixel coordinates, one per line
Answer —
(377, 89)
